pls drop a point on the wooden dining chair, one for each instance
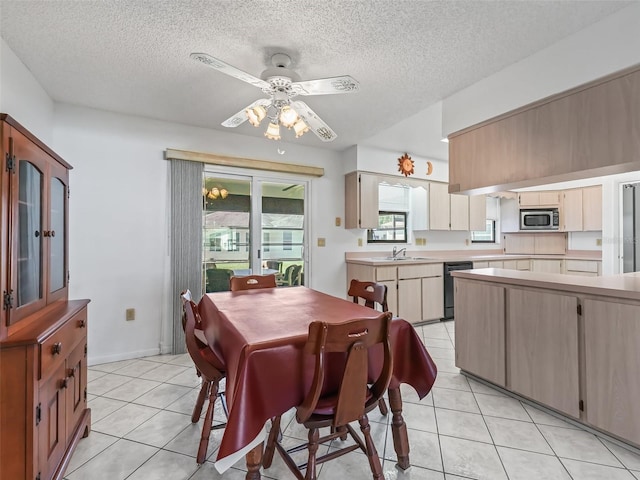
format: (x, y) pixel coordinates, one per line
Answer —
(209, 367)
(355, 395)
(373, 294)
(251, 282)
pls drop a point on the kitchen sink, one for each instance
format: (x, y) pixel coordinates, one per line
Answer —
(406, 258)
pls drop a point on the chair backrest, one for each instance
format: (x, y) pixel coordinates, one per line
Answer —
(206, 361)
(370, 292)
(296, 275)
(250, 282)
(218, 279)
(274, 265)
(356, 392)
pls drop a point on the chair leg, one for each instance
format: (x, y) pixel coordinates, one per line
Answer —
(208, 423)
(372, 453)
(267, 458)
(197, 410)
(314, 436)
(383, 407)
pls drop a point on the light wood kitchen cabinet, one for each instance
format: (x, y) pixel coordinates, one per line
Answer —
(592, 208)
(480, 264)
(612, 366)
(586, 131)
(361, 200)
(589, 268)
(410, 299)
(523, 244)
(459, 212)
(571, 211)
(477, 213)
(546, 266)
(550, 243)
(517, 264)
(420, 292)
(480, 330)
(539, 199)
(542, 348)
(439, 206)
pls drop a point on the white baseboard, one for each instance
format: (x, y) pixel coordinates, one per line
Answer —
(165, 348)
(97, 360)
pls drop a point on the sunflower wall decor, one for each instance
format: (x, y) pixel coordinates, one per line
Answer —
(405, 165)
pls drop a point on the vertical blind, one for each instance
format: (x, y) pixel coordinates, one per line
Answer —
(186, 240)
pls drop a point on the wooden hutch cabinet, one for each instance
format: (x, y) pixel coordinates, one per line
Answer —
(43, 335)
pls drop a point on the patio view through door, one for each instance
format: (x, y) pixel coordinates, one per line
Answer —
(252, 225)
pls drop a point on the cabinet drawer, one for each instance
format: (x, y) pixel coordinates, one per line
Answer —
(523, 265)
(480, 264)
(581, 266)
(385, 273)
(496, 264)
(420, 271)
(59, 345)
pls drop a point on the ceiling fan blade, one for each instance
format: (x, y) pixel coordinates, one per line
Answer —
(228, 69)
(327, 86)
(316, 124)
(241, 117)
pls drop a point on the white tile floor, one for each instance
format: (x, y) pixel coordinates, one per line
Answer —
(141, 413)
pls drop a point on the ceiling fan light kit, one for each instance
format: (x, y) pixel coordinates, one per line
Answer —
(282, 85)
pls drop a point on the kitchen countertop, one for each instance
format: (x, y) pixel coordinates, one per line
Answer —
(419, 257)
(625, 285)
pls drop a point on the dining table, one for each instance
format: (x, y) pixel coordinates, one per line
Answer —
(261, 333)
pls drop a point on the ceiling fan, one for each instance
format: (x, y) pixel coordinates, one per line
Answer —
(282, 85)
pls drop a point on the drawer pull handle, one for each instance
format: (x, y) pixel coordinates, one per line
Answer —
(56, 349)
(82, 323)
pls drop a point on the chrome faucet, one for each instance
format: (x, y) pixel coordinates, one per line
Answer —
(398, 252)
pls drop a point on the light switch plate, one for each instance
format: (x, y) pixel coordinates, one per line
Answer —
(321, 241)
(338, 221)
(130, 314)
(599, 242)
(359, 242)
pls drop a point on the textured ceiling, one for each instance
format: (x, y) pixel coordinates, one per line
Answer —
(133, 56)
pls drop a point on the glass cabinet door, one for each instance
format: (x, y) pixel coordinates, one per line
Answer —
(29, 235)
(57, 224)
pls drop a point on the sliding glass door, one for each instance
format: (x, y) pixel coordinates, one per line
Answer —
(252, 225)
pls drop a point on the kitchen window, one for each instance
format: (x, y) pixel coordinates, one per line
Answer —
(488, 235)
(392, 228)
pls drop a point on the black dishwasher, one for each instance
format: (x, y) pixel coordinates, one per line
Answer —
(448, 285)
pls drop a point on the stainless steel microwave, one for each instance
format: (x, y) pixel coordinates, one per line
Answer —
(539, 219)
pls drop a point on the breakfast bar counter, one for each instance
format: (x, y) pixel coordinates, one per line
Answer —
(567, 342)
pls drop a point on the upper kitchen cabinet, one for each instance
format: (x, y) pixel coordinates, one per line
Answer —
(592, 208)
(588, 131)
(539, 199)
(455, 212)
(582, 209)
(571, 212)
(361, 200)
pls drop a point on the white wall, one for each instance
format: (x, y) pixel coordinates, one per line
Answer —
(22, 97)
(605, 47)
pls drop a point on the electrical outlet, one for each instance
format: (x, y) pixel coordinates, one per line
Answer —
(599, 242)
(359, 242)
(466, 241)
(338, 221)
(322, 242)
(130, 314)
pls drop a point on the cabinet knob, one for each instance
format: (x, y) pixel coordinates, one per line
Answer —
(82, 323)
(52, 233)
(64, 383)
(45, 233)
(56, 349)
(37, 233)
(72, 373)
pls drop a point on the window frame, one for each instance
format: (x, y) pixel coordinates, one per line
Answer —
(493, 232)
(386, 212)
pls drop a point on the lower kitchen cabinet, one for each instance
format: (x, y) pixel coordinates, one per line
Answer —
(542, 348)
(432, 298)
(480, 330)
(546, 266)
(410, 299)
(612, 367)
(589, 268)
